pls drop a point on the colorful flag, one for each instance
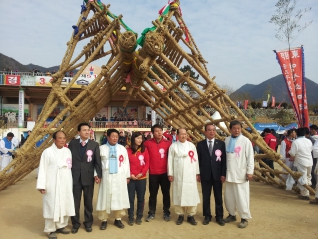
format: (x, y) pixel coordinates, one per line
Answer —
(273, 102)
(291, 62)
(245, 104)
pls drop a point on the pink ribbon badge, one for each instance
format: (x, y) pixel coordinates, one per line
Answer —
(162, 153)
(237, 150)
(121, 160)
(141, 159)
(69, 163)
(89, 154)
(191, 154)
(218, 154)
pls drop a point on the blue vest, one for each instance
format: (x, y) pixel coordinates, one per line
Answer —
(8, 145)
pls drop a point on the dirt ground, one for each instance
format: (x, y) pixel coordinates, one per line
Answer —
(276, 214)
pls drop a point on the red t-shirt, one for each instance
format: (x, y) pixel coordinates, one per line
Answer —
(139, 162)
(271, 141)
(158, 155)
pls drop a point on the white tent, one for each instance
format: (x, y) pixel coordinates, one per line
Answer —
(217, 116)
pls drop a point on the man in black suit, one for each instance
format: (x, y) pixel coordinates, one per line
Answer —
(212, 163)
(85, 158)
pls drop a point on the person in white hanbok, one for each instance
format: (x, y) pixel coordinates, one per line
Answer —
(113, 193)
(6, 151)
(56, 184)
(183, 172)
(240, 168)
(300, 153)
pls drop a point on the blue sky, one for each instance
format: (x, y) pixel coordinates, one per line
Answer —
(235, 37)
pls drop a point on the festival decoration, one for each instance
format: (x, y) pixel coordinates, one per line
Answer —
(166, 46)
(291, 62)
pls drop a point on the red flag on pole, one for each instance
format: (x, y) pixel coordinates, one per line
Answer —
(245, 104)
(273, 102)
(292, 65)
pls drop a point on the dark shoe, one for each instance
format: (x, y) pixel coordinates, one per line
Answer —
(191, 220)
(243, 223)
(315, 201)
(103, 226)
(89, 229)
(206, 220)
(166, 217)
(130, 221)
(52, 235)
(230, 218)
(150, 217)
(138, 220)
(63, 231)
(303, 197)
(220, 221)
(180, 219)
(74, 230)
(119, 224)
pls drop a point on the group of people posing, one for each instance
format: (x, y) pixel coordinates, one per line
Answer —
(65, 174)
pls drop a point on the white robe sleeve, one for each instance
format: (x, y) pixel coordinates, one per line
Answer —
(293, 149)
(127, 165)
(283, 149)
(194, 149)
(249, 153)
(41, 182)
(170, 160)
(3, 148)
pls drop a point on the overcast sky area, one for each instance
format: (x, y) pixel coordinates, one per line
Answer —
(235, 37)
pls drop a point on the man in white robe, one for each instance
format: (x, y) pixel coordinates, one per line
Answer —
(6, 150)
(183, 172)
(300, 153)
(240, 168)
(56, 184)
(113, 193)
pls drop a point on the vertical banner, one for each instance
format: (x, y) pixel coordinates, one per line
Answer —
(273, 101)
(245, 104)
(291, 62)
(153, 114)
(21, 109)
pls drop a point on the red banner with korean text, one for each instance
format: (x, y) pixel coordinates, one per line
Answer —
(245, 104)
(12, 79)
(291, 62)
(273, 102)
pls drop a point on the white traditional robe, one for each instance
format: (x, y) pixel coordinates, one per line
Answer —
(55, 177)
(5, 157)
(112, 192)
(184, 170)
(239, 163)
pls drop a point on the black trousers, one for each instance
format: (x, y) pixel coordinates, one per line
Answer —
(313, 175)
(88, 192)
(270, 163)
(154, 181)
(137, 187)
(206, 195)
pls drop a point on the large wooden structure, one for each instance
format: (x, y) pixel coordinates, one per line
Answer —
(164, 48)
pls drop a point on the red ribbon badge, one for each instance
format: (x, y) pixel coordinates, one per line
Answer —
(121, 159)
(191, 154)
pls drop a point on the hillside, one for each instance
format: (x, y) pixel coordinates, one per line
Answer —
(10, 63)
(275, 86)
